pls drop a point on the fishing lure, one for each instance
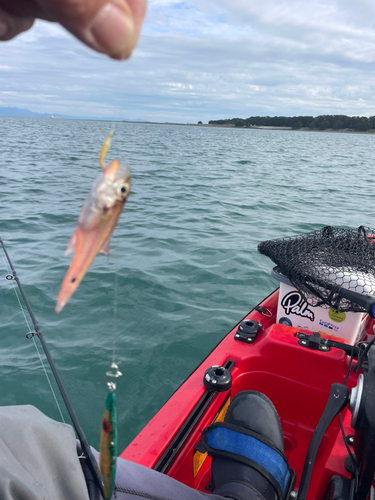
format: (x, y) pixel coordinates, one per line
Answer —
(98, 218)
(108, 438)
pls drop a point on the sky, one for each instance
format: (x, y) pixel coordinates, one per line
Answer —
(205, 60)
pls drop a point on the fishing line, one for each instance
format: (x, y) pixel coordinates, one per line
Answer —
(115, 306)
(115, 299)
(350, 364)
(14, 286)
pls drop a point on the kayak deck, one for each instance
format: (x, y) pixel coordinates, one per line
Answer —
(296, 379)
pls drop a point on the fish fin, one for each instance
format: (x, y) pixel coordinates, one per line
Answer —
(104, 150)
(105, 249)
(72, 244)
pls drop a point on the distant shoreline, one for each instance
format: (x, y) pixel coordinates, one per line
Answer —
(255, 127)
(203, 125)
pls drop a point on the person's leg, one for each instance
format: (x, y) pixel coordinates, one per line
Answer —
(135, 482)
(38, 457)
(247, 450)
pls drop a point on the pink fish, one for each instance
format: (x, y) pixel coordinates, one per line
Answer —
(98, 218)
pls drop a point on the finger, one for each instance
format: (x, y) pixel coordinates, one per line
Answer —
(11, 26)
(108, 26)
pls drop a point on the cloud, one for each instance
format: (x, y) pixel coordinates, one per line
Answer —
(201, 60)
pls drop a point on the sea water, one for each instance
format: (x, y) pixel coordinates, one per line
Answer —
(183, 266)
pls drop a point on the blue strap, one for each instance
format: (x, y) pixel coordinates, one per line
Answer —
(222, 438)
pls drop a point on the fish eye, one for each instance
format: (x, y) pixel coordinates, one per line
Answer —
(123, 189)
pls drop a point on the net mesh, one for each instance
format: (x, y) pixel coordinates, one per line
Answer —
(320, 262)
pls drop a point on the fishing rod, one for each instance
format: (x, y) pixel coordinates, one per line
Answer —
(81, 436)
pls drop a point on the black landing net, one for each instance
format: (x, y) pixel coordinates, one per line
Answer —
(322, 262)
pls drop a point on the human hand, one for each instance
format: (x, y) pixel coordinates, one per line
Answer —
(108, 26)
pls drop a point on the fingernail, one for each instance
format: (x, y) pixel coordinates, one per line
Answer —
(113, 30)
(4, 28)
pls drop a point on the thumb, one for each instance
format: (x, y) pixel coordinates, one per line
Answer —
(108, 26)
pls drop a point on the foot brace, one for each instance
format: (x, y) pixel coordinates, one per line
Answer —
(237, 443)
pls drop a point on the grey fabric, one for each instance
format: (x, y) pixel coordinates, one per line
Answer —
(135, 482)
(38, 458)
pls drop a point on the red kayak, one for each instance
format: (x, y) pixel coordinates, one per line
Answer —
(302, 371)
(296, 378)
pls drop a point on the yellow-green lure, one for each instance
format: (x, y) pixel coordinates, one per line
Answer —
(108, 438)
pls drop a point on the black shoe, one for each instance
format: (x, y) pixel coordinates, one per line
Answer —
(247, 451)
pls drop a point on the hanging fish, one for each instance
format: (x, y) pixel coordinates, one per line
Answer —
(108, 438)
(98, 218)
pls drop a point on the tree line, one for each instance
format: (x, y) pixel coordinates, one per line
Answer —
(322, 122)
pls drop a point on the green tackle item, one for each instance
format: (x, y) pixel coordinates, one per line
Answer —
(108, 438)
